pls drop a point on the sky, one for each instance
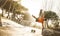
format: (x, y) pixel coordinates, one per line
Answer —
(34, 6)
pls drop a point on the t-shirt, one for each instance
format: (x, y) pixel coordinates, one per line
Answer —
(41, 19)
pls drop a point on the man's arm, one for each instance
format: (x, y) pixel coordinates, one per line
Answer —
(34, 16)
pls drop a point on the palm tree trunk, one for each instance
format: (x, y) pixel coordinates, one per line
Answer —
(8, 15)
(13, 16)
(2, 12)
(9, 11)
(13, 10)
(0, 21)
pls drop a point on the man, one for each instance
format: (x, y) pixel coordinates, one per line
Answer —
(40, 19)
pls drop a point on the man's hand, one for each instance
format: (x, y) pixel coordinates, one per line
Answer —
(34, 16)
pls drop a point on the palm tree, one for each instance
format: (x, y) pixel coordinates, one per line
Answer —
(0, 20)
(12, 6)
(2, 12)
(17, 8)
(3, 2)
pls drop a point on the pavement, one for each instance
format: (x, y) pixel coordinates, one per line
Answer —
(24, 31)
(13, 29)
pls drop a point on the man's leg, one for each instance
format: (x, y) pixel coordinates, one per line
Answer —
(42, 28)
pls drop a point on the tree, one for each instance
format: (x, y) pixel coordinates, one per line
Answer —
(0, 20)
(50, 15)
(3, 2)
(12, 6)
(17, 8)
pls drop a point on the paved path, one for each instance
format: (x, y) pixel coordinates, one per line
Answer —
(13, 29)
(25, 31)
